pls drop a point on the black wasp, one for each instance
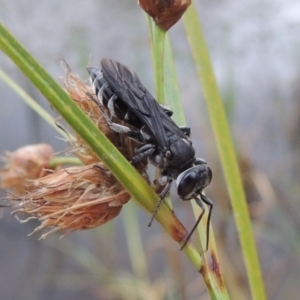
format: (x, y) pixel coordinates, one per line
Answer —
(166, 145)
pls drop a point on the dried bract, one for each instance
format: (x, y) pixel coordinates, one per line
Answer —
(165, 13)
(24, 164)
(82, 96)
(72, 199)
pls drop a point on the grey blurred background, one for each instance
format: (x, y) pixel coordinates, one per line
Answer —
(255, 50)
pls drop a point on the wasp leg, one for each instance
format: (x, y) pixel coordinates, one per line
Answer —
(166, 189)
(200, 203)
(111, 105)
(211, 205)
(143, 152)
(115, 126)
(99, 91)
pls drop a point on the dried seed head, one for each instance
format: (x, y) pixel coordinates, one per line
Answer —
(82, 96)
(72, 199)
(24, 164)
(165, 13)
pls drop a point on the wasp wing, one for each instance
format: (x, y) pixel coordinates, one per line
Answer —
(127, 86)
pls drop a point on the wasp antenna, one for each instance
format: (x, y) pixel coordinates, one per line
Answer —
(158, 204)
(162, 196)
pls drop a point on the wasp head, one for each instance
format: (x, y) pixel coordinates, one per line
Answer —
(192, 181)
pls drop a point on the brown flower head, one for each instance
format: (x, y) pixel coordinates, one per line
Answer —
(29, 162)
(72, 199)
(165, 13)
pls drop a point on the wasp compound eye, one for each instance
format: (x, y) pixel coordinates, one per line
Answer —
(209, 173)
(187, 184)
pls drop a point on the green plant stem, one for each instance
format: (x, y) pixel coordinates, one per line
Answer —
(157, 41)
(159, 52)
(169, 84)
(134, 243)
(32, 103)
(172, 93)
(63, 160)
(226, 150)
